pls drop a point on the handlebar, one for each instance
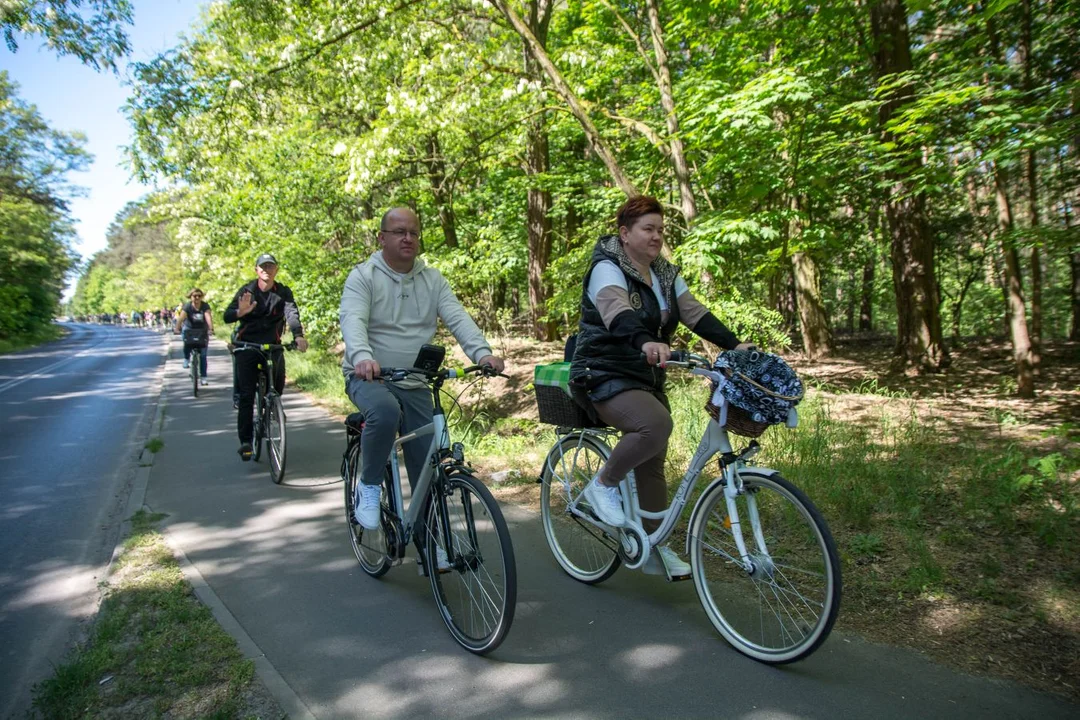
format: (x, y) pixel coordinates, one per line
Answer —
(397, 374)
(265, 347)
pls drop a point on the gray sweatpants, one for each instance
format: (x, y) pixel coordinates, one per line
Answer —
(389, 409)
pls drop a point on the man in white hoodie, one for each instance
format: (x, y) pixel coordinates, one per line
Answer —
(389, 309)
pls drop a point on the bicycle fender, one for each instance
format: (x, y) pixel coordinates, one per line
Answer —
(749, 469)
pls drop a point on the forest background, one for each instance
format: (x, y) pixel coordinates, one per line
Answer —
(857, 168)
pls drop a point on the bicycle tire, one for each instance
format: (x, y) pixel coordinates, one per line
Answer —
(478, 595)
(578, 547)
(257, 418)
(194, 362)
(275, 437)
(369, 546)
(785, 608)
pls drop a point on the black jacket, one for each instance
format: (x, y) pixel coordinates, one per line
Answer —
(608, 361)
(266, 322)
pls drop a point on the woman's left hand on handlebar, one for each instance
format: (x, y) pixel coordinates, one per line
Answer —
(746, 346)
(301, 344)
(656, 353)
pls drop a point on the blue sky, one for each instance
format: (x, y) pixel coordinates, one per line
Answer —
(71, 96)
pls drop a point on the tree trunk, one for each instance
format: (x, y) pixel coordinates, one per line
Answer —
(848, 298)
(813, 320)
(1074, 260)
(436, 167)
(592, 135)
(667, 100)
(919, 341)
(866, 304)
(1016, 313)
(1033, 196)
(538, 202)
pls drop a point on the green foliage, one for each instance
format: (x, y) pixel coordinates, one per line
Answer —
(35, 229)
(98, 40)
(294, 125)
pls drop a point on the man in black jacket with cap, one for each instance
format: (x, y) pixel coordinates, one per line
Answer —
(262, 307)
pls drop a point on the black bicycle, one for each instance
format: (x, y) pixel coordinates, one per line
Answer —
(195, 364)
(268, 413)
(461, 538)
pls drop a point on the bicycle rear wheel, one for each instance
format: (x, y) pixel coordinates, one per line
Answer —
(257, 418)
(275, 437)
(369, 546)
(785, 606)
(584, 551)
(478, 595)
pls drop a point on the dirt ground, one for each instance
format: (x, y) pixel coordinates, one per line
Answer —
(1038, 646)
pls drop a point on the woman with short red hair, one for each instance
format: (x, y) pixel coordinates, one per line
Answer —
(632, 300)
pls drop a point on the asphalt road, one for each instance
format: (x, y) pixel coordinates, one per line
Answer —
(73, 418)
(277, 559)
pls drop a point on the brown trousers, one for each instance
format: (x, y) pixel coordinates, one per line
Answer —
(645, 421)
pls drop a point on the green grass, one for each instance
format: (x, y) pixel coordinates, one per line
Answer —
(913, 504)
(154, 444)
(154, 649)
(31, 339)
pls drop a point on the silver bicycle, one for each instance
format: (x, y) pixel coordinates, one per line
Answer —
(762, 558)
(461, 538)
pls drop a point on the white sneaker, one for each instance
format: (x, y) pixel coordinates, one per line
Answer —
(606, 502)
(367, 509)
(441, 562)
(187, 364)
(202, 381)
(674, 565)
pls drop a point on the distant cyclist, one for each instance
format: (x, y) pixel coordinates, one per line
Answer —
(262, 307)
(196, 324)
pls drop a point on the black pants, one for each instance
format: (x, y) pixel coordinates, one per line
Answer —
(247, 363)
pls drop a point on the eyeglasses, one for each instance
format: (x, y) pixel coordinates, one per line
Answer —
(195, 296)
(268, 267)
(400, 233)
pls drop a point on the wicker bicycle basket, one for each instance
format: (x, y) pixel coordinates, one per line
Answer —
(738, 420)
(557, 408)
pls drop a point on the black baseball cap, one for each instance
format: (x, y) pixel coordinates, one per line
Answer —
(266, 258)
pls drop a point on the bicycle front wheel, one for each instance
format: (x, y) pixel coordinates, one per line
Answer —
(369, 546)
(783, 607)
(275, 437)
(584, 551)
(470, 562)
(257, 418)
(195, 359)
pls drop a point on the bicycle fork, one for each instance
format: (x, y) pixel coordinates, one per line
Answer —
(733, 488)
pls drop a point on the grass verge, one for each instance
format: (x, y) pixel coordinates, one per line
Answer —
(956, 541)
(154, 650)
(42, 335)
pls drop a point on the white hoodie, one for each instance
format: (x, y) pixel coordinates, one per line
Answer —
(386, 315)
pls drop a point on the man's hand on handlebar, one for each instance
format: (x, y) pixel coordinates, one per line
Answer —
(301, 344)
(366, 369)
(496, 363)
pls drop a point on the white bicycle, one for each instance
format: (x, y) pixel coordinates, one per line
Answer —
(762, 558)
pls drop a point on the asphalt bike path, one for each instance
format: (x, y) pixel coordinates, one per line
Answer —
(331, 642)
(74, 414)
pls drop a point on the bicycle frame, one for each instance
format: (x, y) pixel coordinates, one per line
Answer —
(714, 440)
(438, 449)
(440, 442)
